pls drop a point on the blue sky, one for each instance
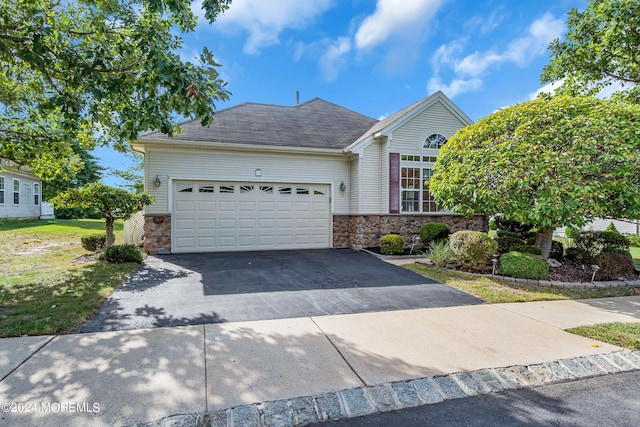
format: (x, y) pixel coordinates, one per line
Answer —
(378, 56)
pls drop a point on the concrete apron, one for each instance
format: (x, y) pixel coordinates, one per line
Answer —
(121, 378)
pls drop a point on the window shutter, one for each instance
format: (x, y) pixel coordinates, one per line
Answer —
(394, 183)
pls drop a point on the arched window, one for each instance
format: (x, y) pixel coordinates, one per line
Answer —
(435, 140)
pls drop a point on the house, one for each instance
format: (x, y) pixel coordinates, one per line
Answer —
(313, 175)
(20, 193)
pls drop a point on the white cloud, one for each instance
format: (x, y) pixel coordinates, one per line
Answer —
(455, 88)
(485, 24)
(265, 20)
(332, 59)
(549, 88)
(468, 69)
(393, 20)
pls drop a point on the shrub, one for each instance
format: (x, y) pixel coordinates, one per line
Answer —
(624, 252)
(611, 228)
(634, 240)
(572, 232)
(526, 249)
(596, 242)
(578, 255)
(557, 250)
(507, 233)
(440, 253)
(525, 266)
(492, 224)
(93, 242)
(391, 244)
(504, 224)
(613, 265)
(472, 248)
(505, 242)
(433, 231)
(122, 253)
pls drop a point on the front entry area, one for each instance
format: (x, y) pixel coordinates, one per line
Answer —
(212, 216)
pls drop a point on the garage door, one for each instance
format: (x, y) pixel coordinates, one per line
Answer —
(231, 216)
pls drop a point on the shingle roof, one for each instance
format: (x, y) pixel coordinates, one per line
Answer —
(313, 124)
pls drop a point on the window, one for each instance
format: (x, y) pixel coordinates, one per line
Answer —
(1, 190)
(266, 189)
(184, 188)
(302, 190)
(246, 188)
(284, 190)
(414, 185)
(434, 140)
(16, 191)
(227, 188)
(205, 188)
(36, 194)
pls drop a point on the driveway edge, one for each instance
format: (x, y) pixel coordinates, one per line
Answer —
(368, 400)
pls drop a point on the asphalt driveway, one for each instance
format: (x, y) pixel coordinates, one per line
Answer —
(187, 289)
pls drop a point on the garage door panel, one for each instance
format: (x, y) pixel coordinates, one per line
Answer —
(246, 216)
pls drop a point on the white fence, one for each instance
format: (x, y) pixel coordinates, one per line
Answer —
(134, 229)
(623, 226)
(46, 211)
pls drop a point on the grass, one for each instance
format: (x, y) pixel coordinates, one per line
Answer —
(635, 254)
(625, 335)
(495, 291)
(43, 288)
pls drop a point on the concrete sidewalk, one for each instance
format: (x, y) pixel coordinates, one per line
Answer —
(128, 377)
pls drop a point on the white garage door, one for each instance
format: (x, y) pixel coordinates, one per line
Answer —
(230, 216)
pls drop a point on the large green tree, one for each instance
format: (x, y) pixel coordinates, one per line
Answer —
(548, 162)
(88, 171)
(601, 48)
(97, 71)
(114, 203)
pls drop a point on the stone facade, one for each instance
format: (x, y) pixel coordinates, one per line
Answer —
(157, 234)
(365, 230)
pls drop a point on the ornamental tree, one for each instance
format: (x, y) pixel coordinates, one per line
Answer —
(114, 203)
(94, 71)
(600, 48)
(547, 162)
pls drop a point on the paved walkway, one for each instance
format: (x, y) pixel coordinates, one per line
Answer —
(303, 368)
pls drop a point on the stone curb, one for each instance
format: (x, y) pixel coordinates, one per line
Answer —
(404, 394)
(552, 283)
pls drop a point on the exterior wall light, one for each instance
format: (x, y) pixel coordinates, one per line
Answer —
(342, 186)
(157, 182)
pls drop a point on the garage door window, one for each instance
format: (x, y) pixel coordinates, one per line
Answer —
(246, 188)
(206, 188)
(184, 188)
(268, 189)
(284, 190)
(227, 188)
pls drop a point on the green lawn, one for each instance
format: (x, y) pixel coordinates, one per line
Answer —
(44, 289)
(625, 335)
(635, 253)
(495, 291)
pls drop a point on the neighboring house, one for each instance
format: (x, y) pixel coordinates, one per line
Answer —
(599, 224)
(314, 175)
(20, 193)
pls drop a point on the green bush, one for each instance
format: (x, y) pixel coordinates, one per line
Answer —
(624, 252)
(122, 253)
(391, 244)
(505, 242)
(557, 250)
(578, 255)
(613, 265)
(433, 231)
(596, 242)
(492, 224)
(634, 240)
(526, 249)
(93, 242)
(611, 228)
(440, 253)
(507, 233)
(525, 266)
(472, 248)
(572, 232)
(516, 227)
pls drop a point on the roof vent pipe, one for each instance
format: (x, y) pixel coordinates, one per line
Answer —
(297, 97)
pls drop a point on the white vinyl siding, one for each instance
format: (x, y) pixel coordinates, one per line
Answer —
(355, 186)
(20, 186)
(240, 166)
(371, 185)
(409, 137)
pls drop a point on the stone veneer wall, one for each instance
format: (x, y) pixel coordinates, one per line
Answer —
(157, 234)
(366, 230)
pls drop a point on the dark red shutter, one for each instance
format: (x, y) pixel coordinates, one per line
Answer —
(394, 183)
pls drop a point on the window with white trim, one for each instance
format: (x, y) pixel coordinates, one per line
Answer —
(16, 191)
(36, 194)
(415, 196)
(435, 140)
(1, 190)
